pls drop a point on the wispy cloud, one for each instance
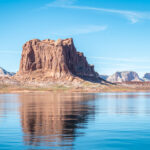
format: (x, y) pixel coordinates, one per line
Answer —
(123, 65)
(133, 16)
(70, 31)
(122, 59)
(62, 2)
(109, 65)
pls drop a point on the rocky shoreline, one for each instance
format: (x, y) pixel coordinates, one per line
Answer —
(13, 86)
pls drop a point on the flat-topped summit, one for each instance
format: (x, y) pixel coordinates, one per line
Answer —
(146, 77)
(59, 59)
(124, 76)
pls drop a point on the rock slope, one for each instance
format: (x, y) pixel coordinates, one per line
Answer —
(3, 72)
(125, 76)
(49, 59)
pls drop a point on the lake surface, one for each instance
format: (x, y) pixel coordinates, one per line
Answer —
(107, 121)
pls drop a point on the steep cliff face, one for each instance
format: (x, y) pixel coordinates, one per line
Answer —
(125, 76)
(55, 59)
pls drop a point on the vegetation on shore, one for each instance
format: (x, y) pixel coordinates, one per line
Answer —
(84, 87)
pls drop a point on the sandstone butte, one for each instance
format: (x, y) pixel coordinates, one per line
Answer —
(49, 60)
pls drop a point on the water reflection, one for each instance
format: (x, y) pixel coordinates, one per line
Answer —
(124, 103)
(69, 121)
(52, 119)
(7, 102)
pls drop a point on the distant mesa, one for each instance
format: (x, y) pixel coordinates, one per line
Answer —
(53, 60)
(125, 76)
(146, 77)
(3, 73)
(104, 77)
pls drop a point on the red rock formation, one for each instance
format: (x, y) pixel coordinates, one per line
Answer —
(55, 59)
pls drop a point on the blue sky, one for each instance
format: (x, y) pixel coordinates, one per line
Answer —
(113, 34)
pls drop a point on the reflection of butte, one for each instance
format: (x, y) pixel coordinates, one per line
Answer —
(53, 116)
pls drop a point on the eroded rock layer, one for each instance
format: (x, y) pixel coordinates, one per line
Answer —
(55, 59)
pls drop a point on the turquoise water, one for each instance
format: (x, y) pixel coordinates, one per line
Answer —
(118, 121)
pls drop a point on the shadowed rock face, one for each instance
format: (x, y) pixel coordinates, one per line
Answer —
(124, 76)
(55, 59)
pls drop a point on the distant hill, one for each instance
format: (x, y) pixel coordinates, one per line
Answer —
(125, 76)
(3, 72)
(104, 77)
(146, 77)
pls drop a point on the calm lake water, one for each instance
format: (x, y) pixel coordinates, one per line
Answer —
(75, 121)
